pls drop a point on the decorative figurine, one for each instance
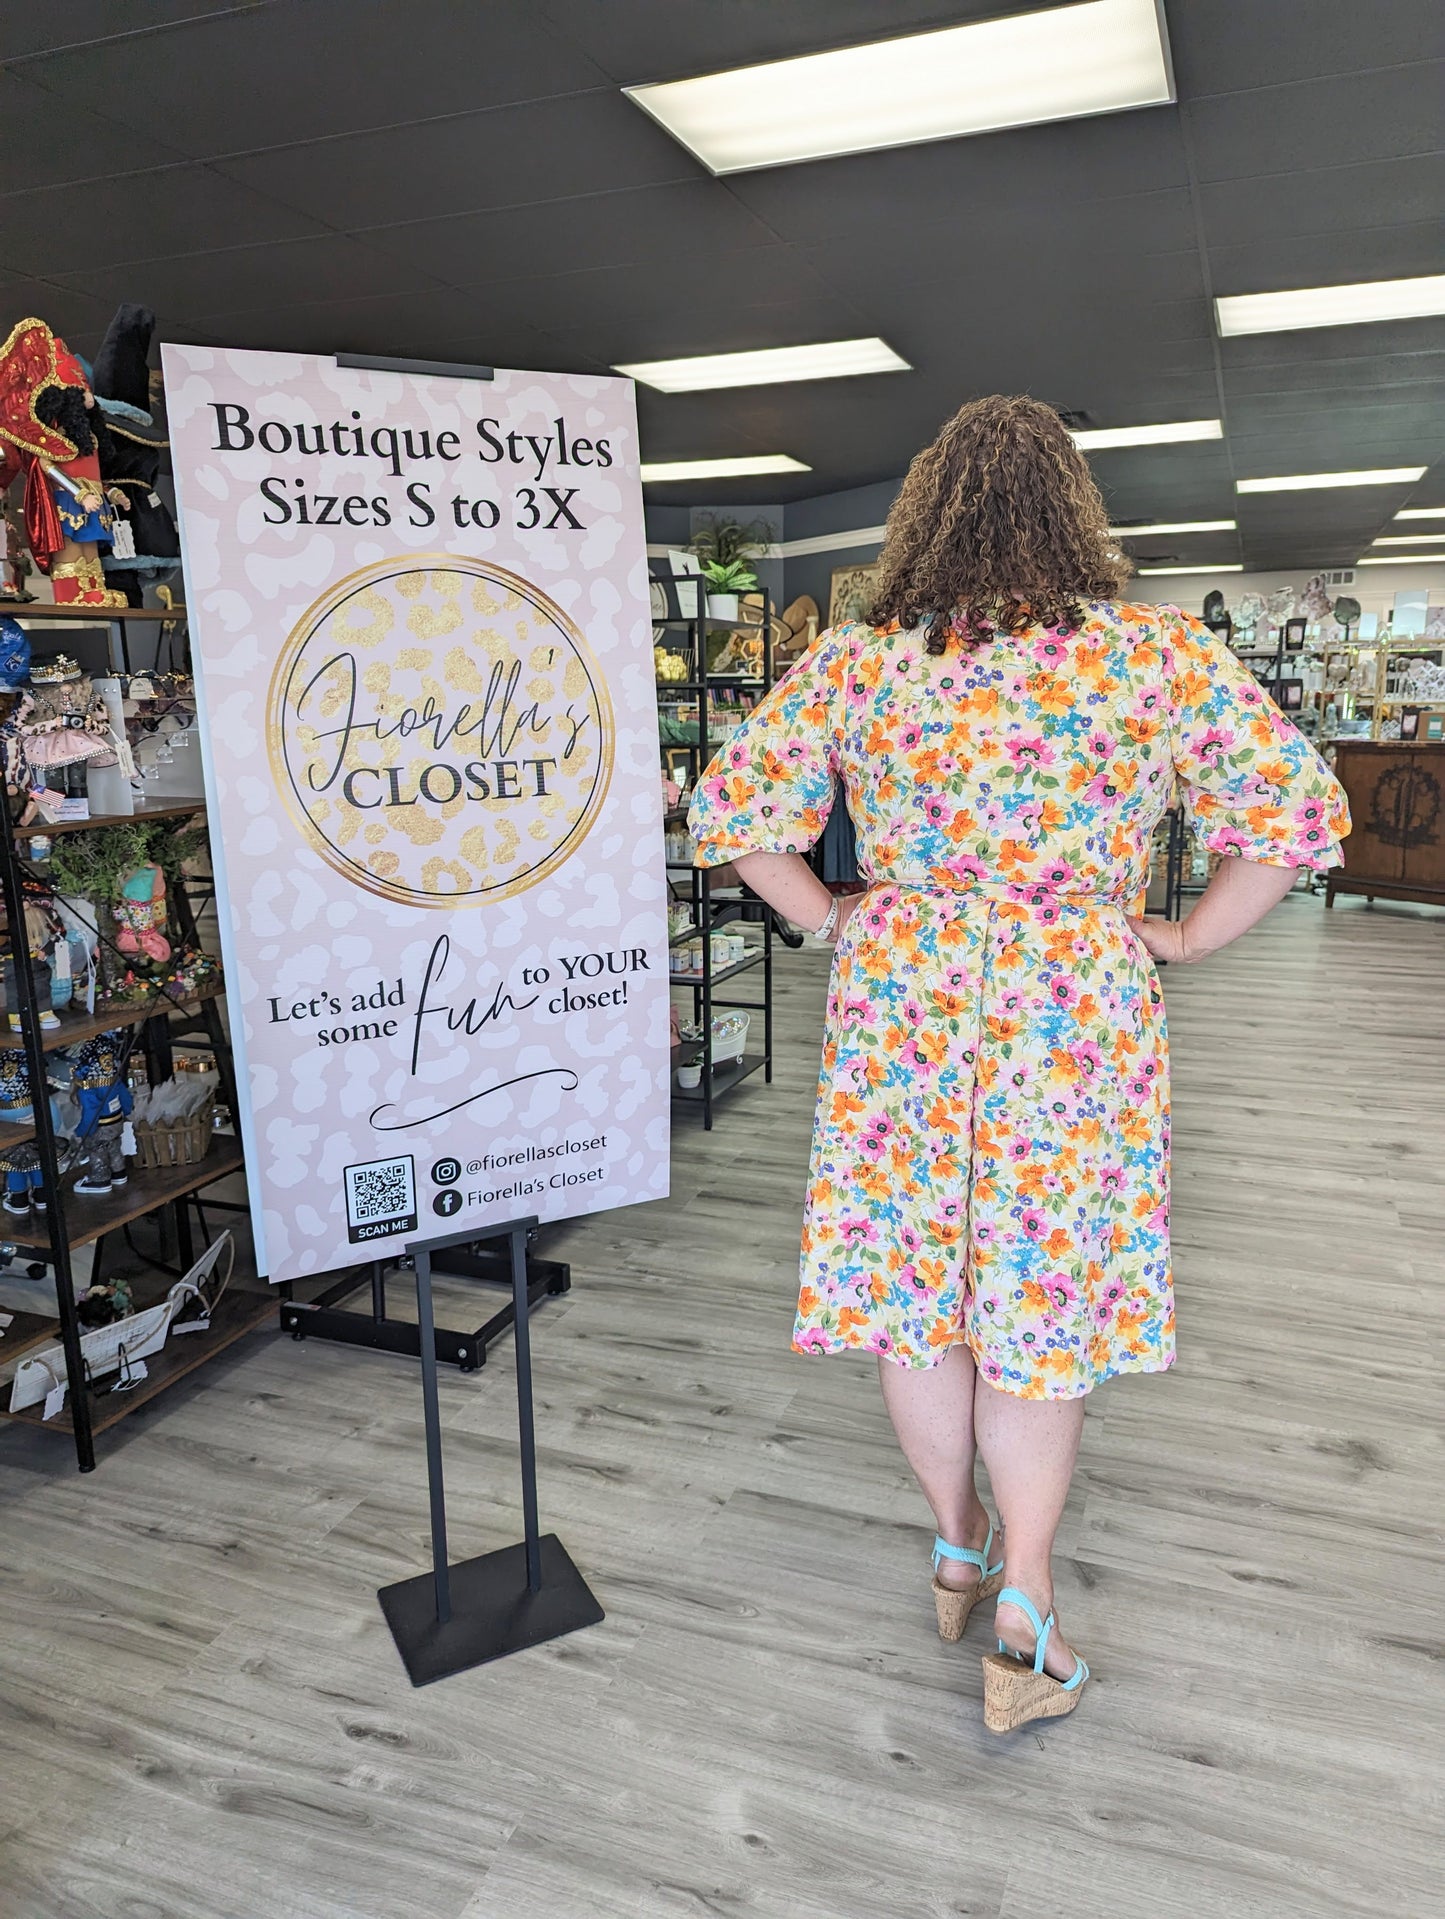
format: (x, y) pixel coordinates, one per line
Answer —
(46, 433)
(99, 1083)
(141, 913)
(42, 933)
(146, 546)
(21, 1163)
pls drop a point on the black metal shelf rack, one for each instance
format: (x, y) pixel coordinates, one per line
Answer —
(710, 906)
(67, 1223)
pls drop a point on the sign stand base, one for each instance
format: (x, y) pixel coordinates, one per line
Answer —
(457, 1617)
(494, 1612)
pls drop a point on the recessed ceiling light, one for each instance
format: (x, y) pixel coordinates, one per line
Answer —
(1175, 526)
(1098, 438)
(1422, 513)
(832, 360)
(721, 469)
(1233, 567)
(1402, 559)
(1305, 482)
(1099, 56)
(1409, 539)
(1331, 306)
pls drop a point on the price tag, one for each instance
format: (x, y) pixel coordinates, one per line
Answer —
(191, 1326)
(54, 1400)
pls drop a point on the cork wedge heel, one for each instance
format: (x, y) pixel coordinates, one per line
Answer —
(953, 1604)
(1015, 1692)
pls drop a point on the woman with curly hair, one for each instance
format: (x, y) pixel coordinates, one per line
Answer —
(987, 1208)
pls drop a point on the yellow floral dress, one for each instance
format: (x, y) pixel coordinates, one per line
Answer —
(991, 1149)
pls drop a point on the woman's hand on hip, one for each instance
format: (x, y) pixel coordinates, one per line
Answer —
(1163, 939)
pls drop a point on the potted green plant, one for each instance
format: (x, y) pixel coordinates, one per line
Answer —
(725, 546)
(724, 584)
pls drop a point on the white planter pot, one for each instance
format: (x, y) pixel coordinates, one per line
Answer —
(722, 606)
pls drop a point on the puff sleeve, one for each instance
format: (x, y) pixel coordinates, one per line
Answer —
(770, 789)
(1251, 783)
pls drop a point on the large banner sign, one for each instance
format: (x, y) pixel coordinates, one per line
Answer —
(423, 653)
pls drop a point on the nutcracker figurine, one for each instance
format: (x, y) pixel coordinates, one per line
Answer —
(46, 433)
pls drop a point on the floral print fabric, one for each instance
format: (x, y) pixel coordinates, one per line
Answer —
(990, 1152)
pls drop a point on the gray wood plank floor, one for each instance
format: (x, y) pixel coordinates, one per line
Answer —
(203, 1715)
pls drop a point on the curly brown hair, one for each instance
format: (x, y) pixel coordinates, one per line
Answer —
(998, 526)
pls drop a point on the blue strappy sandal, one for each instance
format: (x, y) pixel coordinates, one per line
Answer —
(954, 1603)
(1015, 1692)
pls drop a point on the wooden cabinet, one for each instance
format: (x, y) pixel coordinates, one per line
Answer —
(1397, 801)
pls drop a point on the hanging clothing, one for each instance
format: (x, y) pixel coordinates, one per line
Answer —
(990, 1152)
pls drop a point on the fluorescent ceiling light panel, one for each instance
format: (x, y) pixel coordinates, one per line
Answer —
(1331, 306)
(1165, 570)
(721, 469)
(1422, 513)
(1402, 559)
(1096, 439)
(1100, 56)
(1307, 482)
(1174, 526)
(1409, 539)
(769, 366)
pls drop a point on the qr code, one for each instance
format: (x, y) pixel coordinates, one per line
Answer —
(381, 1198)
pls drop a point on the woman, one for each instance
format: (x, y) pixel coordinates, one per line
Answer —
(987, 1208)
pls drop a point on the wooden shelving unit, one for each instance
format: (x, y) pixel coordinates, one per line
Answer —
(70, 1222)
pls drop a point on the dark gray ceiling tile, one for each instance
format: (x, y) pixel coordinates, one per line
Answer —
(1385, 115)
(649, 40)
(1063, 165)
(440, 326)
(304, 72)
(79, 318)
(1422, 374)
(510, 156)
(324, 266)
(669, 225)
(138, 216)
(32, 31)
(1373, 253)
(1329, 201)
(1221, 46)
(48, 140)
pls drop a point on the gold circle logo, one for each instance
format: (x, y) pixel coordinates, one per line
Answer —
(440, 731)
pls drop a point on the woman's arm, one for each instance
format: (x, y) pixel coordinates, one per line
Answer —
(792, 888)
(1240, 894)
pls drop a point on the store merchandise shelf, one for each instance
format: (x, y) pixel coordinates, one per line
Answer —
(712, 686)
(724, 1078)
(25, 1332)
(15, 1133)
(72, 1029)
(145, 810)
(91, 1219)
(92, 615)
(236, 1314)
(720, 973)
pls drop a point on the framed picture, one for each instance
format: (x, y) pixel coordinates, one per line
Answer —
(850, 595)
(1288, 695)
(1294, 635)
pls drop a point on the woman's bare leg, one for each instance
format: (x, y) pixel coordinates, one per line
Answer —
(1029, 1447)
(932, 1412)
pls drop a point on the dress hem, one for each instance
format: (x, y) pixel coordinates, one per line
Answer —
(821, 1347)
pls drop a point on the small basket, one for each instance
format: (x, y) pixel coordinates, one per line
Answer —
(185, 1142)
(729, 1037)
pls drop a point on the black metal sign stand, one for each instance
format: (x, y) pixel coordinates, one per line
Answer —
(460, 1616)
